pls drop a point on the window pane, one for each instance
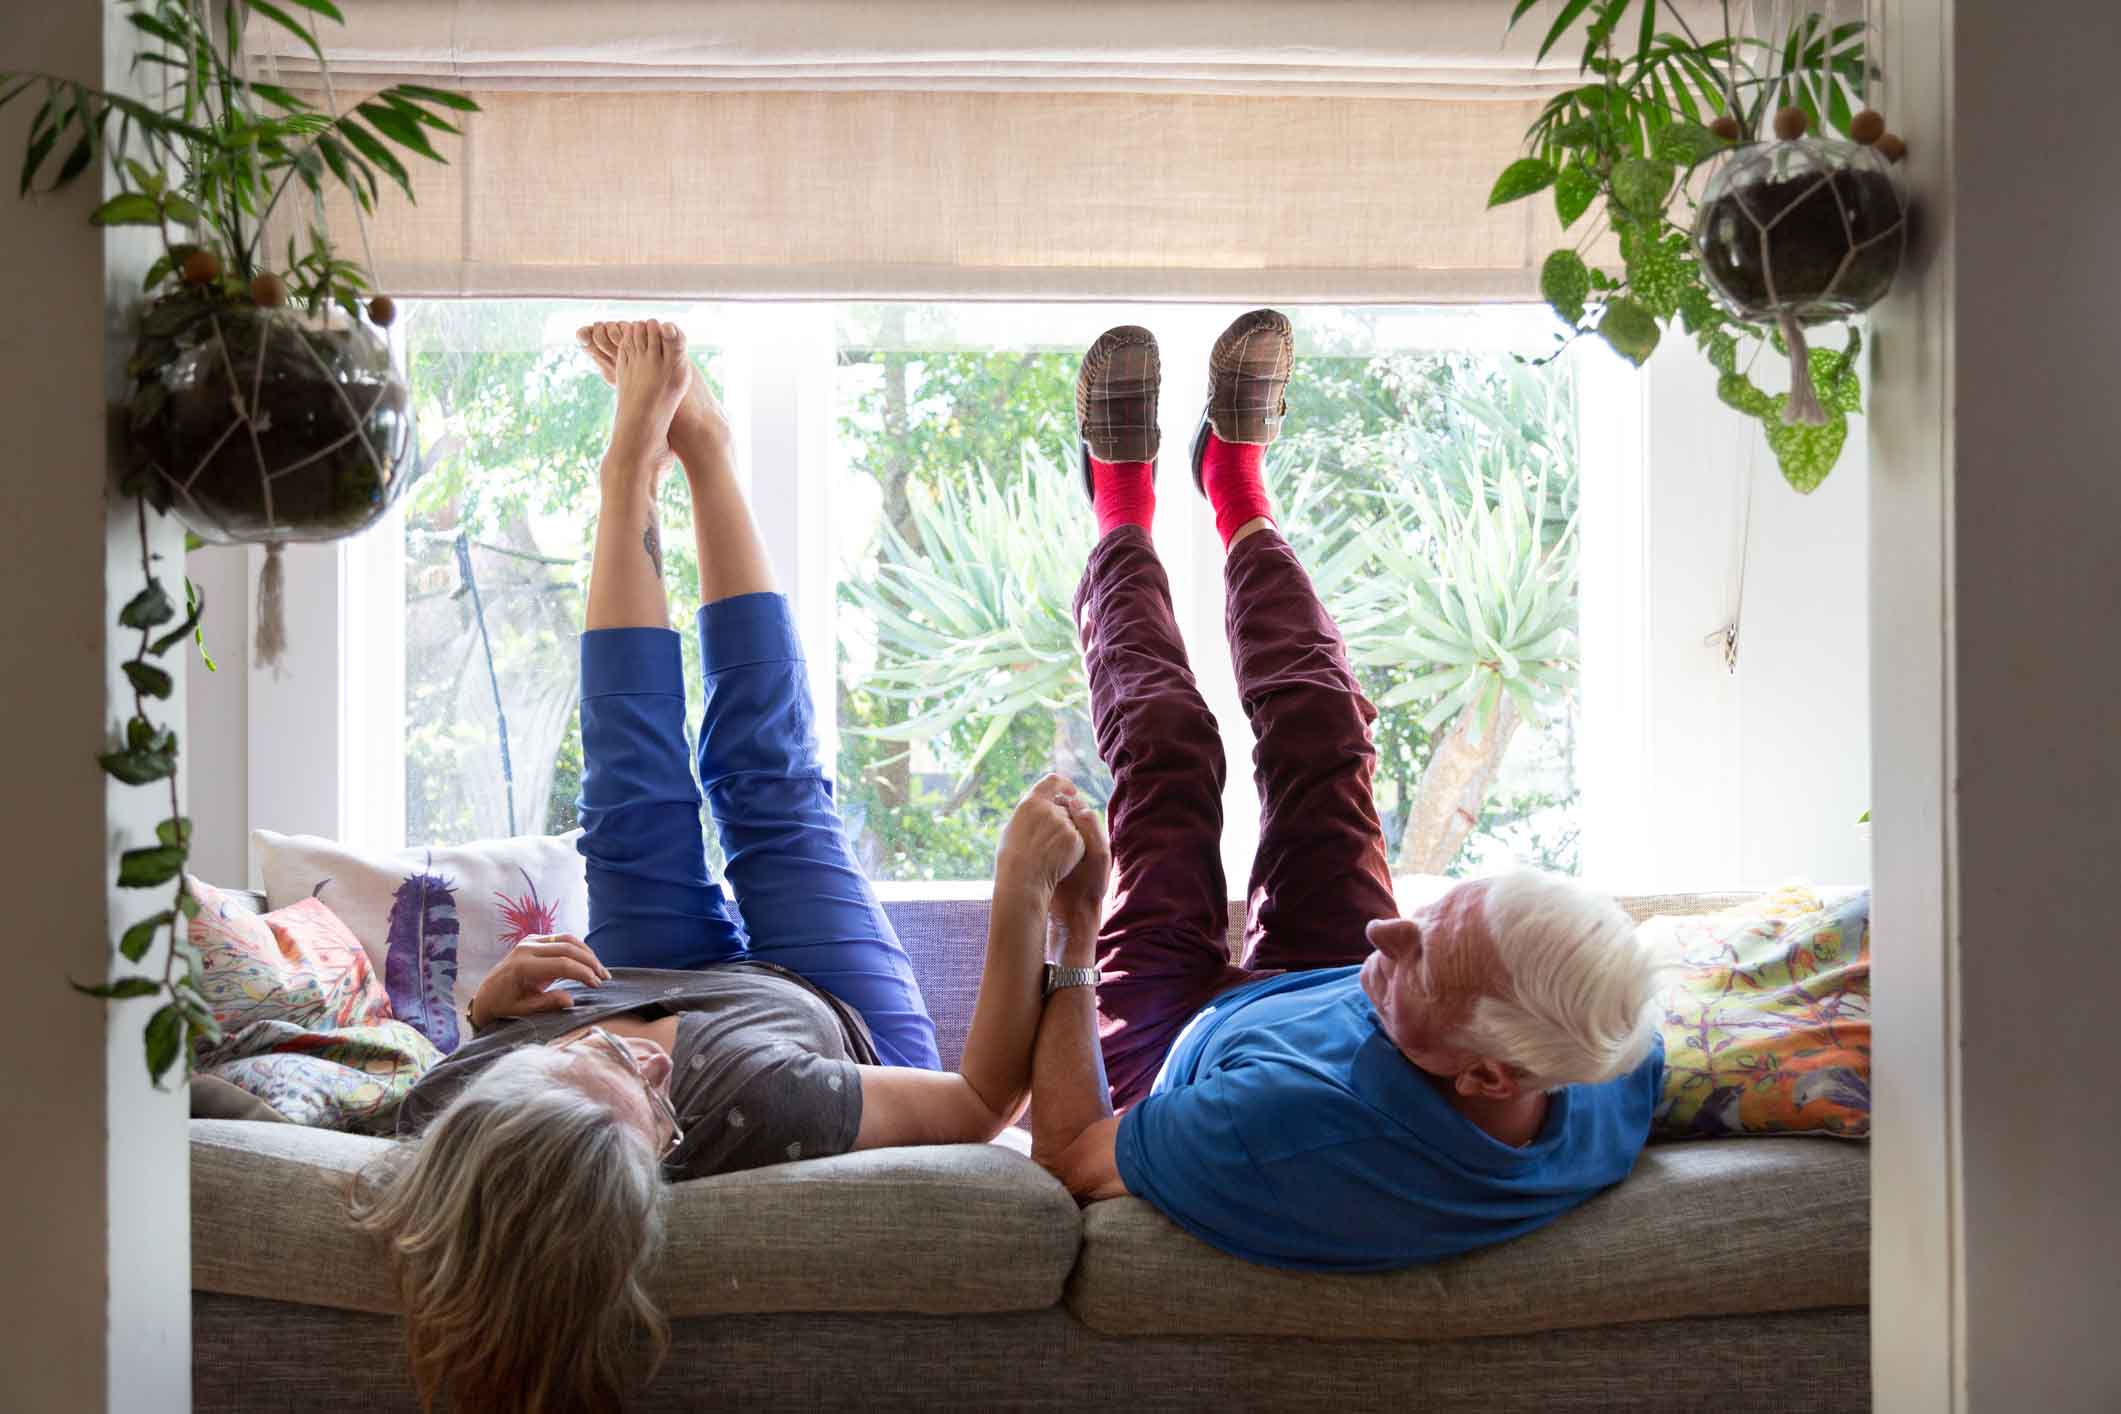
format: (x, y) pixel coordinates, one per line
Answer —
(962, 538)
(1432, 491)
(514, 420)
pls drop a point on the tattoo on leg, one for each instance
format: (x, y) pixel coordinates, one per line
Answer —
(652, 542)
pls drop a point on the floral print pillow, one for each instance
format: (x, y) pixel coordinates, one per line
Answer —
(1768, 1029)
(307, 1026)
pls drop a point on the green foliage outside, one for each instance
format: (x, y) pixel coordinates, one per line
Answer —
(976, 688)
(516, 431)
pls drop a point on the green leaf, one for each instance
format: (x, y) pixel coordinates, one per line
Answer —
(1574, 133)
(321, 7)
(282, 98)
(1641, 184)
(175, 832)
(179, 208)
(1806, 454)
(138, 766)
(1525, 177)
(1565, 282)
(39, 149)
(145, 868)
(400, 128)
(1630, 329)
(127, 209)
(76, 161)
(1864, 818)
(1571, 11)
(141, 936)
(165, 1029)
(149, 680)
(122, 989)
(289, 23)
(1686, 144)
(1574, 191)
(1736, 391)
(198, 1015)
(150, 25)
(149, 607)
(442, 96)
(196, 603)
(366, 144)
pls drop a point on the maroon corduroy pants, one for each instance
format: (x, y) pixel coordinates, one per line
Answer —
(1320, 873)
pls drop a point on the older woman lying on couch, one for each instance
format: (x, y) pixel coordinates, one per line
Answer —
(682, 1038)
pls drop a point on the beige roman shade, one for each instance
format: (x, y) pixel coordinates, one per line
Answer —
(826, 148)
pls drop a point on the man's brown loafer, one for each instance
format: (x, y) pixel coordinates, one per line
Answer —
(1115, 398)
(1248, 382)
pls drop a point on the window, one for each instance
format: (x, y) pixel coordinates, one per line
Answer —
(497, 536)
(954, 532)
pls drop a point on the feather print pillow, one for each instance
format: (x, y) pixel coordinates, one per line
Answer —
(434, 921)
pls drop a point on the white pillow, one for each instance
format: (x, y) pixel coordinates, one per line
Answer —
(434, 921)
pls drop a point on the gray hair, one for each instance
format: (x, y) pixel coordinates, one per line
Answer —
(521, 1225)
(1580, 1007)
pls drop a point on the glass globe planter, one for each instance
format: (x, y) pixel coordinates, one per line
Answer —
(255, 424)
(1800, 232)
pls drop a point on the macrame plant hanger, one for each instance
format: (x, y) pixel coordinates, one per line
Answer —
(270, 644)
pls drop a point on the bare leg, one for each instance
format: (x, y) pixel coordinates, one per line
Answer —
(649, 367)
(732, 558)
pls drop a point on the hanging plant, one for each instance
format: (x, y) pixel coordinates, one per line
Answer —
(1786, 231)
(264, 405)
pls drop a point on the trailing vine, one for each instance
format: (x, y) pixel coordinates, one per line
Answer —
(147, 757)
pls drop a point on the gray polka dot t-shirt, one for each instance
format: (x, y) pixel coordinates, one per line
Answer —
(764, 1063)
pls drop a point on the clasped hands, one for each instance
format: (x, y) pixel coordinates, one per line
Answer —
(1054, 850)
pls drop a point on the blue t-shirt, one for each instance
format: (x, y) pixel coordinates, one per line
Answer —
(1287, 1129)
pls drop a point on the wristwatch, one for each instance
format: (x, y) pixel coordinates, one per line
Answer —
(1058, 977)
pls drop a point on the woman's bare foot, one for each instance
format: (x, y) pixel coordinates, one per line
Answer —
(699, 427)
(651, 372)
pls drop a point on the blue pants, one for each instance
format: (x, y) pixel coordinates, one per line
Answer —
(801, 902)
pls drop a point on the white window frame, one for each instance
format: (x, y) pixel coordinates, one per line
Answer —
(326, 734)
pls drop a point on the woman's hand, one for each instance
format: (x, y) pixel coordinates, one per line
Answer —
(517, 985)
(1041, 844)
(1079, 898)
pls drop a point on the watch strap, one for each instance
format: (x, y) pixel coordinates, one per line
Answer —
(1058, 977)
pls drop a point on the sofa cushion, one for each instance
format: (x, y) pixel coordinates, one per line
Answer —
(1731, 1227)
(942, 1230)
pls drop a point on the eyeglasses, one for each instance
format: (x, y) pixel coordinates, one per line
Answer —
(657, 1100)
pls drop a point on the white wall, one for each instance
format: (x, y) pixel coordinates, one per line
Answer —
(218, 719)
(94, 1198)
(1694, 776)
(1996, 1250)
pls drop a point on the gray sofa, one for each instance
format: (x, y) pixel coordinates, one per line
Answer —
(1727, 1276)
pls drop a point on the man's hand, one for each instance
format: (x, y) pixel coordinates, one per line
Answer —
(517, 985)
(1079, 899)
(1040, 845)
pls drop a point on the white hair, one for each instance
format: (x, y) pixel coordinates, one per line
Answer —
(1580, 1004)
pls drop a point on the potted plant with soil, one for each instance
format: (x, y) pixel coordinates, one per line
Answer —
(1736, 214)
(264, 405)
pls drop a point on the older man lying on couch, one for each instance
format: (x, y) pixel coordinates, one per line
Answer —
(1367, 1091)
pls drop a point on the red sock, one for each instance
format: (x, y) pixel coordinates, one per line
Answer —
(1123, 493)
(1230, 474)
